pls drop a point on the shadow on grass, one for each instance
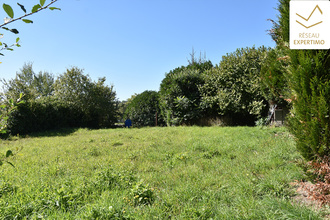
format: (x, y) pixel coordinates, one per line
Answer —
(62, 132)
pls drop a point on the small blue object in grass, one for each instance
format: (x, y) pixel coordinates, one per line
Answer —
(128, 123)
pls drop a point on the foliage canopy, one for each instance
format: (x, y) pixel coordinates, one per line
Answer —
(306, 75)
(143, 109)
(179, 93)
(72, 100)
(234, 88)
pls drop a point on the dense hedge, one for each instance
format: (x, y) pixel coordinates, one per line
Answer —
(73, 100)
(230, 92)
(180, 95)
(143, 110)
(303, 78)
(43, 115)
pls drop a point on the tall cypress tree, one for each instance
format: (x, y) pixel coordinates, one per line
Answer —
(308, 78)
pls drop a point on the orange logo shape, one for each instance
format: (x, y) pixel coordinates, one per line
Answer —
(316, 7)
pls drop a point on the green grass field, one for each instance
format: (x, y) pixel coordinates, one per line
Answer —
(153, 173)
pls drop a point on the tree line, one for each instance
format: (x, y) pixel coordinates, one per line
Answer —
(235, 92)
(196, 94)
(72, 99)
(231, 93)
(239, 89)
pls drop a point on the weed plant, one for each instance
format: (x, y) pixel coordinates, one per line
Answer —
(153, 173)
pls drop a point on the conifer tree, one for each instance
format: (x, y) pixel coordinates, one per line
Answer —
(308, 78)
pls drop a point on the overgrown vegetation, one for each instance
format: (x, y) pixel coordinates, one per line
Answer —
(5, 110)
(170, 172)
(234, 88)
(196, 94)
(232, 91)
(302, 77)
(144, 109)
(175, 172)
(71, 100)
(179, 93)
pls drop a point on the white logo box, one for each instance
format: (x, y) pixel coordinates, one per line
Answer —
(309, 24)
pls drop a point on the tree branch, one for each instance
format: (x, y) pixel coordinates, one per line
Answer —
(26, 15)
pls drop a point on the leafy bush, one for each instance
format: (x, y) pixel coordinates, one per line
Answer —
(143, 109)
(41, 115)
(5, 111)
(32, 85)
(94, 100)
(274, 84)
(261, 122)
(234, 87)
(180, 96)
(74, 100)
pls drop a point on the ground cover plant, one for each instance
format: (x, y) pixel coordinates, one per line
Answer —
(153, 173)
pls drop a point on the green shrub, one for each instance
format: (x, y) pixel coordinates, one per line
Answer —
(43, 114)
(233, 88)
(143, 109)
(306, 75)
(73, 101)
(180, 96)
(310, 119)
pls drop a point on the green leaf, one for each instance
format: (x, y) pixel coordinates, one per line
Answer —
(1, 163)
(27, 21)
(42, 2)
(54, 8)
(22, 7)
(35, 8)
(9, 153)
(8, 9)
(17, 39)
(10, 164)
(15, 31)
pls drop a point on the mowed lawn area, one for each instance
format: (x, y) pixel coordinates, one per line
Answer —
(153, 173)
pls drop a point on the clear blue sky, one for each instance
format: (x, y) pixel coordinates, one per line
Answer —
(133, 43)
